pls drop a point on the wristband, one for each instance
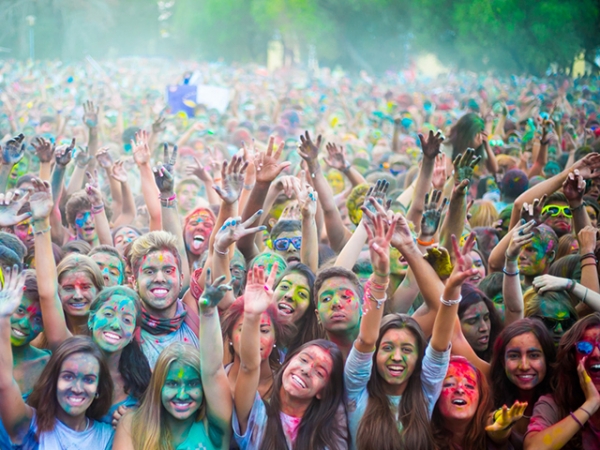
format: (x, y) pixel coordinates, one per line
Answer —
(570, 285)
(195, 288)
(585, 411)
(249, 187)
(587, 255)
(225, 253)
(97, 209)
(170, 199)
(347, 167)
(574, 417)
(381, 275)
(510, 258)
(425, 243)
(368, 295)
(581, 205)
(37, 232)
(589, 264)
(510, 274)
(450, 302)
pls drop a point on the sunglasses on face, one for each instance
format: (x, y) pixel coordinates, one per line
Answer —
(282, 244)
(555, 210)
(551, 324)
(586, 348)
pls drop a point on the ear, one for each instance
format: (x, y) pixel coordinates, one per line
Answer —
(551, 256)
(90, 321)
(318, 317)
(272, 222)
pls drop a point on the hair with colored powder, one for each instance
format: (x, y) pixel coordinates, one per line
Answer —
(487, 238)
(81, 263)
(133, 364)
(153, 242)
(548, 238)
(491, 285)
(336, 271)
(463, 133)
(378, 427)
(566, 388)
(77, 246)
(285, 226)
(556, 197)
(534, 301)
(320, 427)
(43, 397)
(505, 392)
(149, 427)
(476, 437)
(514, 183)
(355, 201)
(565, 246)
(483, 214)
(77, 203)
(110, 250)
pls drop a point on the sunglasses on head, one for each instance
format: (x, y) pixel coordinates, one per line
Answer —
(282, 244)
(555, 210)
(586, 348)
(551, 323)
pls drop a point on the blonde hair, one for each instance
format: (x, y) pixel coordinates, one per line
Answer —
(506, 162)
(148, 422)
(483, 214)
(81, 263)
(152, 242)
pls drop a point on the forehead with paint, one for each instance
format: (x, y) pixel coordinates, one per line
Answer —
(459, 398)
(124, 236)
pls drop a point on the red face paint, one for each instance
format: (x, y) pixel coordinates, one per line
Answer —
(460, 395)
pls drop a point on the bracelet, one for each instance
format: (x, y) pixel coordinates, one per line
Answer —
(511, 274)
(425, 244)
(587, 255)
(450, 302)
(381, 275)
(225, 253)
(170, 199)
(167, 204)
(195, 288)
(97, 209)
(576, 419)
(570, 286)
(379, 301)
(581, 205)
(37, 232)
(589, 264)
(583, 301)
(249, 187)
(379, 287)
(585, 411)
(347, 167)
(510, 258)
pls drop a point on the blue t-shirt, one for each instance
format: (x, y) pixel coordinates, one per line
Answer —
(152, 344)
(358, 371)
(129, 402)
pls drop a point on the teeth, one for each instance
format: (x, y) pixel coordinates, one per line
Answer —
(18, 333)
(525, 377)
(396, 368)
(459, 402)
(76, 400)
(299, 381)
(199, 237)
(182, 404)
(160, 292)
(112, 336)
(285, 308)
(595, 367)
(77, 305)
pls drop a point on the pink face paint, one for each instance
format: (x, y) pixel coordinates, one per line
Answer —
(459, 398)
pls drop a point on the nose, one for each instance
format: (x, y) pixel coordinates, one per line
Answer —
(78, 293)
(397, 354)
(159, 276)
(483, 326)
(524, 362)
(335, 302)
(77, 387)
(558, 328)
(182, 393)
(114, 325)
(460, 388)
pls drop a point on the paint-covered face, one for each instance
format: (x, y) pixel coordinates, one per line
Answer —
(560, 224)
(267, 335)
(111, 268)
(307, 373)
(24, 231)
(159, 280)
(197, 231)
(479, 266)
(524, 361)
(237, 267)
(397, 356)
(292, 295)
(25, 323)
(287, 245)
(338, 305)
(77, 383)
(398, 265)
(76, 291)
(556, 317)
(123, 237)
(85, 228)
(187, 196)
(498, 300)
(533, 259)
(267, 260)
(182, 394)
(460, 396)
(336, 181)
(476, 326)
(592, 362)
(114, 323)
(591, 212)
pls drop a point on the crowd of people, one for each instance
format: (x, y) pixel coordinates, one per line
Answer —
(333, 261)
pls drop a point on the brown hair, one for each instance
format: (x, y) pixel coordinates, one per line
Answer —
(78, 202)
(43, 396)
(153, 242)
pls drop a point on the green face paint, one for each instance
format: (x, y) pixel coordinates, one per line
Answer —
(533, 259)
(292, 296)
(267, 260)
(396, 358)
(556, 318)
(114, 323)
(182, 394)
(339, 306)
(25, 323)
(499, 304)
(77, 383)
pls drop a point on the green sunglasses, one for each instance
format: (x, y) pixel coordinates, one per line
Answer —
(555, 210)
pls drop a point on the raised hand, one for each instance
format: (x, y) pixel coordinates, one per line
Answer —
(14, 150)
(40, 202)
(10, 205)
(291, 211)
(459, 190)
(169, 160)
(44, 149)
(589, 166)
(141, 151)
(574, 188)
(464, 165)
(306, 196)
(163, 175)
(432, 213)
(92, 189)
(546, 283)
(336, 157)
(533, 211)
(90, 114)
(380, 231)
(198, 170)
(521, 236)
(587, 237)
(508, 416)
(439, 172)
(232, 180)
(267, 165)
(234, 229)
(287, 184)
(118, 172)
(63, 154)
(592, 397)
(463, 264)
(159, 125)
(82, 157)
(309, 150)
(104, 158)
(378, 192)
(12, 291)
(213, 291)
(431, 145)
(258, 295)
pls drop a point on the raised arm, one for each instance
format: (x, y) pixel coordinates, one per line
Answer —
(129, 211)
(16, 415)
(12, 152)
(214, 379)
(90, 119)
(546, 283)
(258, 296)
(337, 232)
(82, 159)
(202, 172)
(44, 150)
(589, 263)
(100, 220)
(105, 161)
(337, 159)
(141, 156)
(307, 201)
(62, 158)
(574, 189)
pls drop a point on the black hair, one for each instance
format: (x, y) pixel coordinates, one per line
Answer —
(283, 226)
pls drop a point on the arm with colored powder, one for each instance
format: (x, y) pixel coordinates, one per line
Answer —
(396, 136)
(574, 189)
(541, 158)
(141, 156)
(337, 232)
(455, 219)
(202, 172)
(82, 159)
(62, 157)
(258, 296)
(98, 211)
(44, 150)
(547, 283)
(12, 152)
(90, 119)
(405, 295)
(214, 379)
(16, 414)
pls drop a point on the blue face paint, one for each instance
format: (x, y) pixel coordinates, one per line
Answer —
(82, 218)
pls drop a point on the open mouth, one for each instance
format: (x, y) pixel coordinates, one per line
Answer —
(78, 305)
(198, 241)
(181, 406)
(111, 338)
(595, 368)
(75, 400)
(285, 309)
(396, 370)
(483, 339)
(89, 229)
(18, 333)
(159, 292)
(459, 402)
(299, 381)
(293, 260)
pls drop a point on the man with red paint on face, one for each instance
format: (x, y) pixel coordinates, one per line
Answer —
(157, 269)
(198, 226)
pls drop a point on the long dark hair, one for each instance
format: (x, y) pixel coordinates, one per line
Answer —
(319, 428)
(505, 392)
(378, 427)
(308, 326)
(463, 132)
(471, 296)
(565, 385)
(476, 436)
(133, 364)
(43, 397)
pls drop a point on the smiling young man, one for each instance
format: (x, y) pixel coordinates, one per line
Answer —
(157, 269)
(80, 218)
